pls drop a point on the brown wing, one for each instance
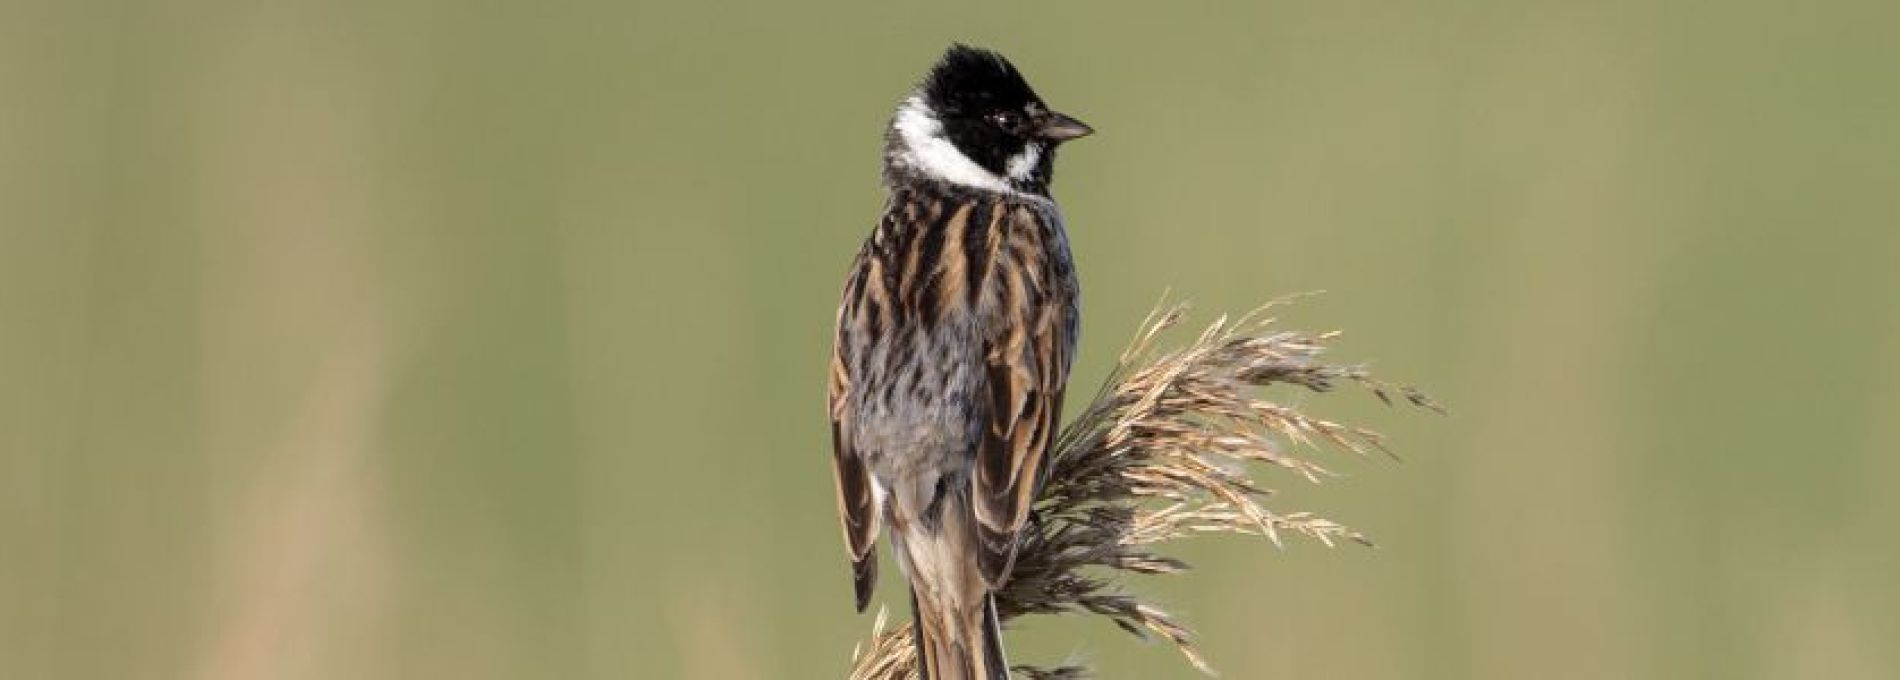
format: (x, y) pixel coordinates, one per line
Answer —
(1027, 364)
(857, 503)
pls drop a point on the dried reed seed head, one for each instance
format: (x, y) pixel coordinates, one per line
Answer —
(1160, 454)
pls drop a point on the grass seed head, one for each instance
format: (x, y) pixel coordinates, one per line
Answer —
(1162, 453)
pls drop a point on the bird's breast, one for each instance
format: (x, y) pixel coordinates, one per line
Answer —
(917, 402)
(945, 275)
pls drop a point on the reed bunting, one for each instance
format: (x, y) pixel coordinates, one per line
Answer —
(955, 335)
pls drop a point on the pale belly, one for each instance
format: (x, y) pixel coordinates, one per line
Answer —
(918, 412)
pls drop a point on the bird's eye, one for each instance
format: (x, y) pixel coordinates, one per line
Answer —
(1007, 120)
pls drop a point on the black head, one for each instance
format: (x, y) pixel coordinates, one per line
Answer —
(981, 105)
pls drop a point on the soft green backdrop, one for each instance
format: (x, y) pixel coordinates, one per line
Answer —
(405, 339)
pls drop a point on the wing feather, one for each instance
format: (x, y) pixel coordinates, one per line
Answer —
(1026, 367)
(857, 498)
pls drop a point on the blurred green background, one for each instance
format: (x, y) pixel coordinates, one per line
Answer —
(486, 340)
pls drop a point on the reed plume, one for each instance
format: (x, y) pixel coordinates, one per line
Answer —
(1163, 452)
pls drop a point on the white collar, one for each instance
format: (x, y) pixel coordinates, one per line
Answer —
(922, 147)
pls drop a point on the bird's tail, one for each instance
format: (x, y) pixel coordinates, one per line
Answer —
(959, 645)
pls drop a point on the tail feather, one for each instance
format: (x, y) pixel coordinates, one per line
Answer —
(965, 646)
(937, 542)
(993, 641)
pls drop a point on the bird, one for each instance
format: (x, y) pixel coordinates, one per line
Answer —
(955, 335)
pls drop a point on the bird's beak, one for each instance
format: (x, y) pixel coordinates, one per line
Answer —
(1061, 128)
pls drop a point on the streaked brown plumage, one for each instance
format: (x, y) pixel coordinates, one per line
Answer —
(954, 340)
